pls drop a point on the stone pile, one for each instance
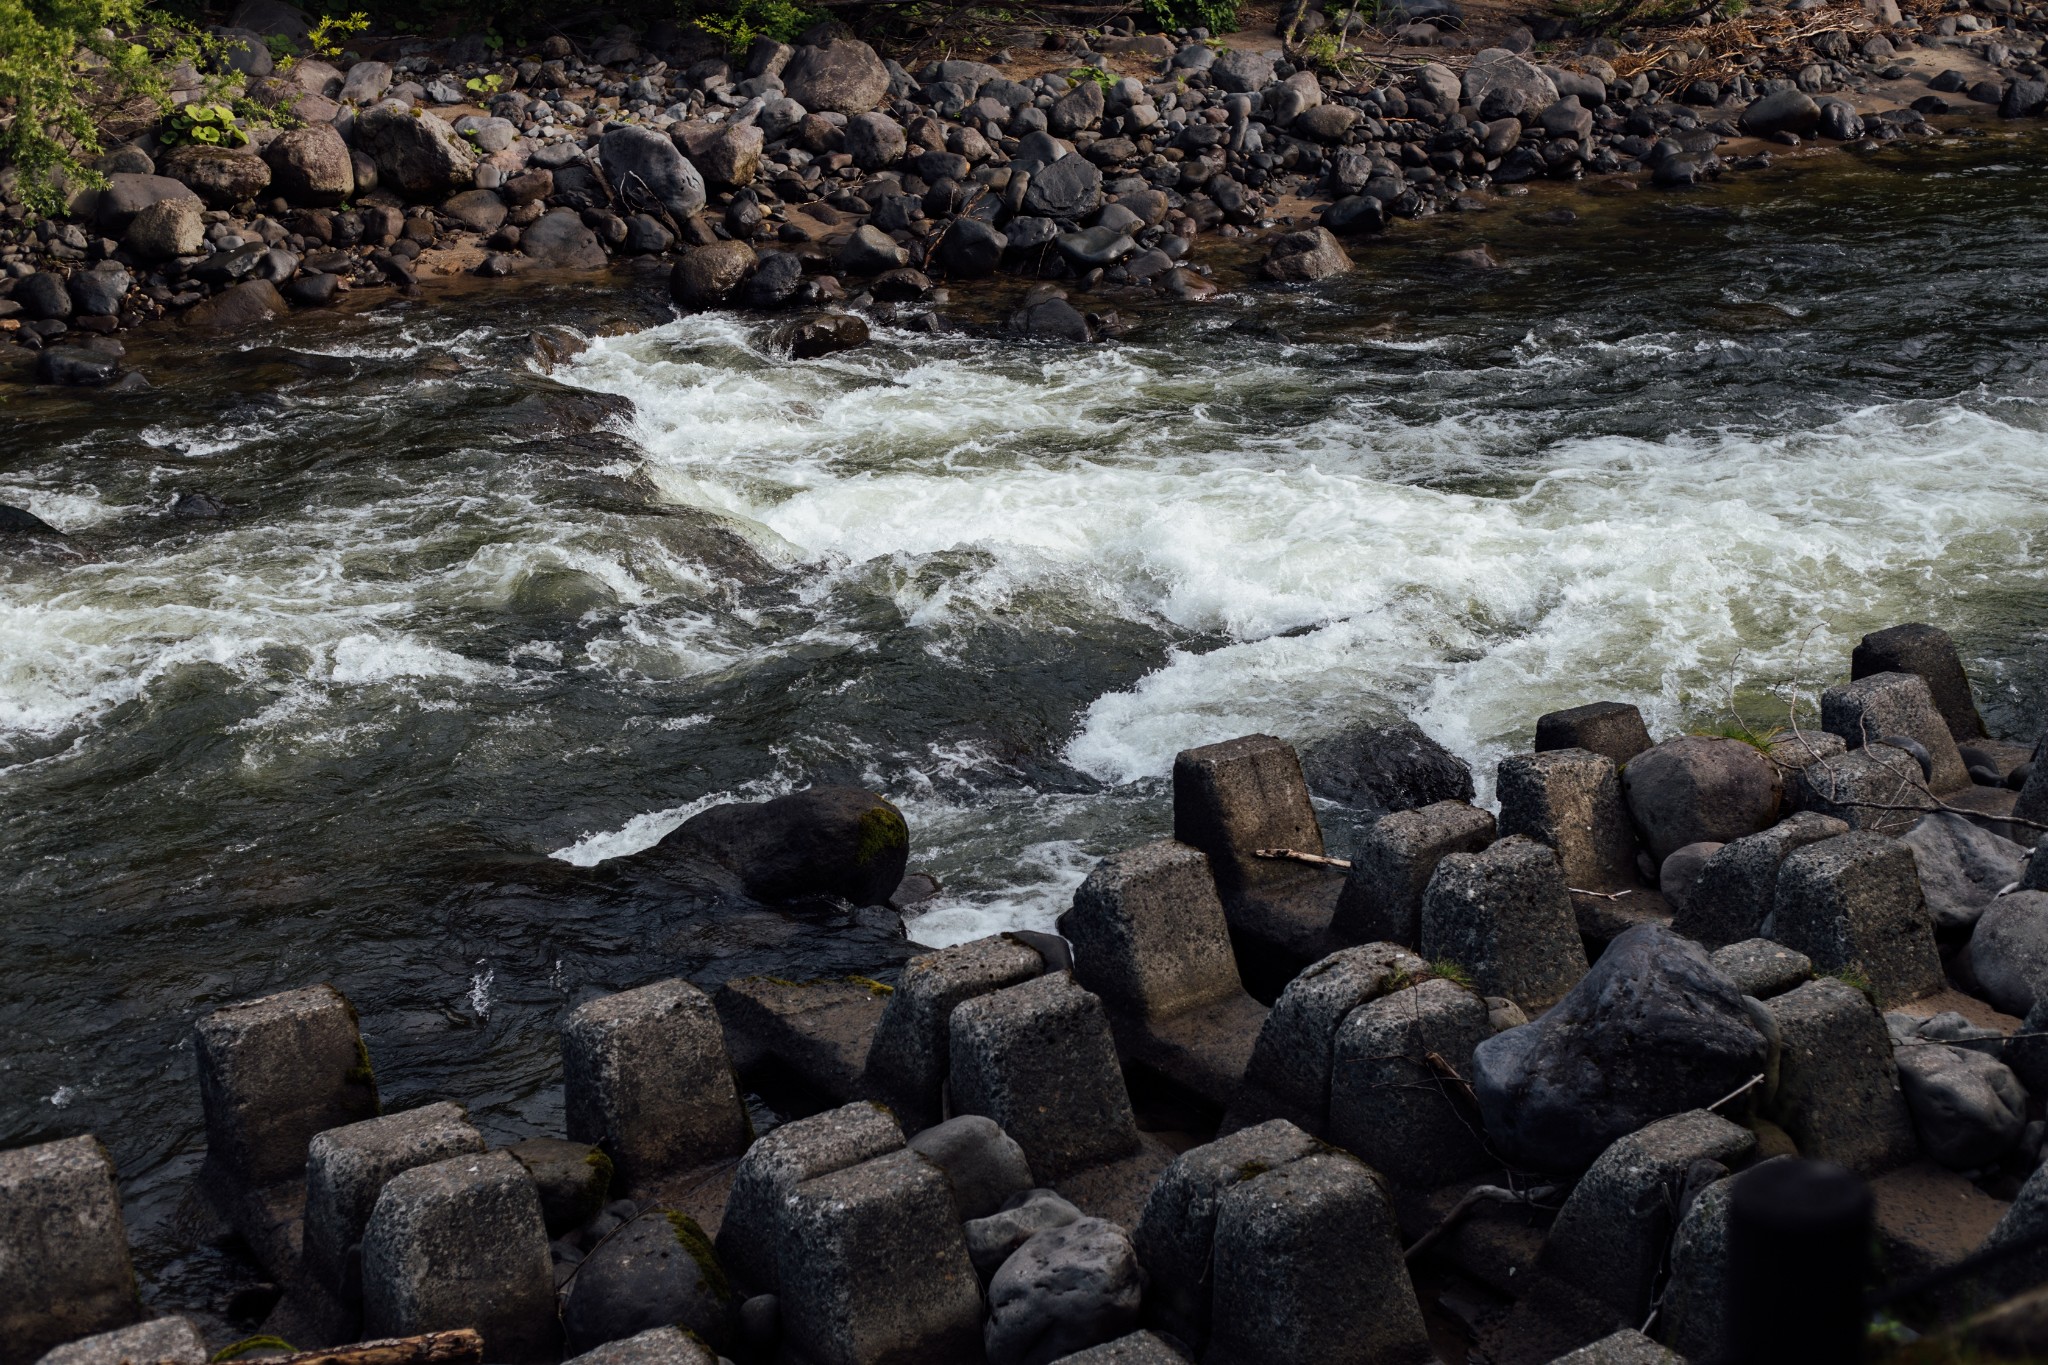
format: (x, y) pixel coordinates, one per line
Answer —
(1451, 1041)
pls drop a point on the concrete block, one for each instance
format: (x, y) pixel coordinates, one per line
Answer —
(1139, 1348)
(1762, 968)
(1570, 801)
(166, 1341)
(1234, 798)
(1505, 916)
(1391, 1107)
(1795, 752)
(1853, 904)
(804, 1149)
(1610, 1238)
(64, 1267)
(656, 1346)
(646, 1077)
(812, 1036)
(1308, 1271)
(1612, 729)
(347, 1167)
(1176, 1232)
(1040, 1060)
(1886, 705)
(906, 1065)
(1928, 653)
(272, 1073)
(1626, 1347)
(1877, 788)
(1151, 940)
(461, 1243)
(1289, 1074)
(573, 1179)
(1694, 1322)
(1733, 895)
(1391, 866)
(1837, 1090)
(873, 1268)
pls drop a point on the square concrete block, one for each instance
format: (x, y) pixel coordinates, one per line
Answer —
(1733, 895)
(64, 1267)
(1505, 916)
(874, 1267)
(1139, 1348)
(804, 1149)
(166, 1341)
(461, 1243)
(907, 1062)
(646, 1076)
(347, 1167)
(1877, 788)
(1289, 1074)
(1234, 798)
(1149, 933)
(1838, 1090)
(1570, 801)
(1177, 1229)
(815, 1034)
(1626, 1347)
(1853, 904)
(1928, 653)
(1612, 729)
(655, 1346)
(1389, 1105)
(1762, 968)
(1610, 1238)
(1391, 866)
(1308, 1271)
(1883, 705)
(1040, 1060)
(272, 1073)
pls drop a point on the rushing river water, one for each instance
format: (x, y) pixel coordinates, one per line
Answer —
(455, 651)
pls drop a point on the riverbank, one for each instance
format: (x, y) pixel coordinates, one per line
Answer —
(823, 175)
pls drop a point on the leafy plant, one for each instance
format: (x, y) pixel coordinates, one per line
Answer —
(326, 38)
(1217, 16)
(1092, 73)
(747, 20)
(490, 83)
(211, 124)
(283, 50)
(1452, 972)
(1322, 52)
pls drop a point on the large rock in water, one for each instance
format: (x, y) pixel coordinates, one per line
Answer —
(1788, 111)
(416, 154)
(825, 841)
(1700, 789)
(1309, 254)
(1385, 768)
(1066, 1289)
(647, 169)
(1653, 1029)
(657, 1271)
(706, 276)
(841, 76)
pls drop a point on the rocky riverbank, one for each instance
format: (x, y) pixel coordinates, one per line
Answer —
(827, 176)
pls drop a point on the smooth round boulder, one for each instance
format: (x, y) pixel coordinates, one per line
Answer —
(560, 239)
(875, 140)
(245, 305)
(994, 1239)
(99, 293)
(311, 166)
(165, 229)
(647, 170)
(1681, 872)
(1064, 1290)
(774, 281)
(869, 251)
(220, 176)
(1700, 789)
(843, 76)
(659, 1270)
(984, 1164)
(1385, 768)
(44, 296)
(1967, 1108)
(840, 842)
(819, 334)
(1962, 866)
(706, 276)
(481, 211)
(1309, 254)
(2009, 952)
(1788, 111)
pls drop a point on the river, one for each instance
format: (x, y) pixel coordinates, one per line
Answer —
(393, 723)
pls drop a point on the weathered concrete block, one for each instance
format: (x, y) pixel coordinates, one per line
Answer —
(1234, 798)
(1762, 968)
(1612, 729)
(1289, 1074)
(64, 1267)
(1795, 752)
(461, 1243)
(1151, 940)
(1694, 1322)
(804, 1149)
(347, 1167)
(874, 1270)
(572, 1179)
(1308, 1271)
(812, 1036)
(1610, 1238)
(646, 1077)
(166, 1341)
(1838, 1092)
(656, 1346)
(1139, 1348)
(1626, 1347)
(908, 1060)
(1570, 801)
(1177, 1230)
(1391, 866)
(1736, 885)
(1853, 903)
(1888, 705)
(272, 1073)
(1389, 1105)
(1039, 1059)
(1505, 916)
(1877, 788)
(1928, 653)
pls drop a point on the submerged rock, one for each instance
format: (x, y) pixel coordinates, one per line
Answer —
(841, 842)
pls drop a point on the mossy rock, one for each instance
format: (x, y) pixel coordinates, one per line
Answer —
(656, 1271)
(574, 1179)
(840, 842)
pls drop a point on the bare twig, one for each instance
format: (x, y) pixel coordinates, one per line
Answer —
(1295, 855)
(1748, 1085)
(1473, 1198)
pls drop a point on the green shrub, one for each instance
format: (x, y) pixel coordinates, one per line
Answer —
(743, 21)
(211, 124)
(1218, 16)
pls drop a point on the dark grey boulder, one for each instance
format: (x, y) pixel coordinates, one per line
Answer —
(1840, 121)
(420, 157)
(75, 365)
(1962, 865)
(774, 281)
(1788, 111)
(825, 841)
(1070, 187)
(2009, 951)
(870, 251)
(1929, 652)
(16, 521)
(1697, 789)
(1304, 255)
(1093, 247)
(1051, 320)
(1653, 1029)
(657, 1271)
(1064, 1290)
(843, 75)
(992, 1240)
(559, 238)
(43, 295)
(985, 1165)
(98, 293)
(1500, 84)
(1384, 768)
(971, 249)
(480, 211)
(819, 334)
(128, 194)
(572, 1179)
(648, 171)
(706, 276)
(1967, 1108)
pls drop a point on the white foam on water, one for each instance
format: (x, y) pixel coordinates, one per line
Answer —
(645, 830)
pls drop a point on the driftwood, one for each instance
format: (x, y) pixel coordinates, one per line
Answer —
(463, 1346)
